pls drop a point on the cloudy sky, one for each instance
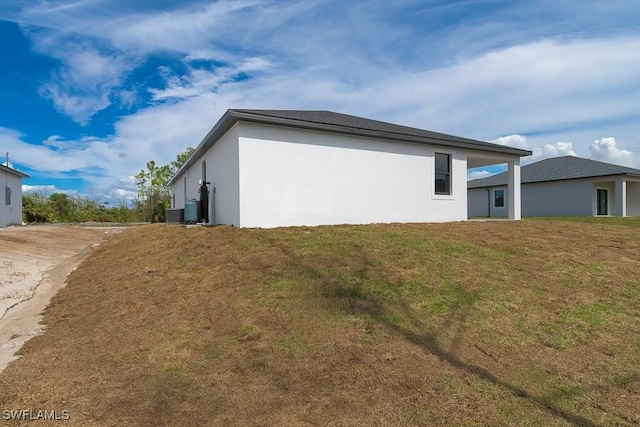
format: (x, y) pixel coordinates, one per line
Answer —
(90, 90)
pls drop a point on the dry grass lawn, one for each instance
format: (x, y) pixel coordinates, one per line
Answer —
(532, 323)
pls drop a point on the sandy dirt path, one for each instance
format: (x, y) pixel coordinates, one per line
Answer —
(34, 264)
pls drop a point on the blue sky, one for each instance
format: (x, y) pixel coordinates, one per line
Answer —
(90, 90)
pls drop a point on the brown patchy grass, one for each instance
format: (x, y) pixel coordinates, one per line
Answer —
(534, 322)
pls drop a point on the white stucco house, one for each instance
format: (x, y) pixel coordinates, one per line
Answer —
(11, 202)
(270, 168)
(561, 186)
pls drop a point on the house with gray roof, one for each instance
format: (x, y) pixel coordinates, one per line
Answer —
(271, 168)
(11, 201)
(561, 186)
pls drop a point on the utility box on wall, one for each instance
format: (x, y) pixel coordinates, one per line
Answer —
(191, 212)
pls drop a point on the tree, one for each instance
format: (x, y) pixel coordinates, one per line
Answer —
(153, 188)
(36, 208)
(181, 159)
(61, 205)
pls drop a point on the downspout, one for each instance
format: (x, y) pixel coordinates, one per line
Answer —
(488, 202)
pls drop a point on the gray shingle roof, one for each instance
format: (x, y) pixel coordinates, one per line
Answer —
(328, 121)
(556, 169)
(354, 125)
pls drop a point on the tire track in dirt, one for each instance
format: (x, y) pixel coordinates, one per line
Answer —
(34, 264)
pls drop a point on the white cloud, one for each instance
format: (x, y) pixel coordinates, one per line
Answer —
(85, 81)
(479, 174)
(196, 82)
(111, 195)
(558, 149)
(605, 150)
(106, 165)
(254, 64)
(187, 30)
(99, 46)
(538, 86)
(525, 87)
(46, 190)
(83, 155)
(516, 141)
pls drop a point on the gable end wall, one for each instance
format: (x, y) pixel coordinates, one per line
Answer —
(222, 172)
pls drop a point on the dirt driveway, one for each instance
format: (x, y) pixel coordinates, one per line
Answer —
(34, 264)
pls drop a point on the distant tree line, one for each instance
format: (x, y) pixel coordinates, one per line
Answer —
(153, 199)
(60, 207)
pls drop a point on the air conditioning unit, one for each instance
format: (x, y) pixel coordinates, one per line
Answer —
(174, 216)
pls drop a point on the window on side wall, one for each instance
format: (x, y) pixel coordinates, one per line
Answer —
(498, 198)
(443, 173)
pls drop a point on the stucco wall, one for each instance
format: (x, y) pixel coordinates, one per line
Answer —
(10, 214)
(178, 192)
(222, 172)
(482, 200)
(560, 198)
(478, 202)
(296, 177)
(633, 198)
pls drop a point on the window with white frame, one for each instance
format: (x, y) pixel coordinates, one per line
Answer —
(443, 174)
(498, 198)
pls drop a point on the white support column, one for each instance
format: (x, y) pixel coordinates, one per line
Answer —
(620, 202)
(513, 188)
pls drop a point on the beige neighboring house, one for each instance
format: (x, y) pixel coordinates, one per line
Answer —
(11, 199)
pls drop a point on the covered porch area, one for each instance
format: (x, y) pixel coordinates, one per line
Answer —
(617, 196)
(512, 199)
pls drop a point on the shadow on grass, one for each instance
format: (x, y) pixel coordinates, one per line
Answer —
(341, 296)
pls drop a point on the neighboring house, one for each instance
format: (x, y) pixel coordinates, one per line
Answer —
(271, 168)
(562, 186)
(11, 198)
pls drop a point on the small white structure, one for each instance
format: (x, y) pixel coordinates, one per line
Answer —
(271, 168)
(562, 186)
(11, 198)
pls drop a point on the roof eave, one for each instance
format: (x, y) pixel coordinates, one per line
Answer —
(14, 172)
(223, 125)
(232, 116)
(537, 181)
(468, 144)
